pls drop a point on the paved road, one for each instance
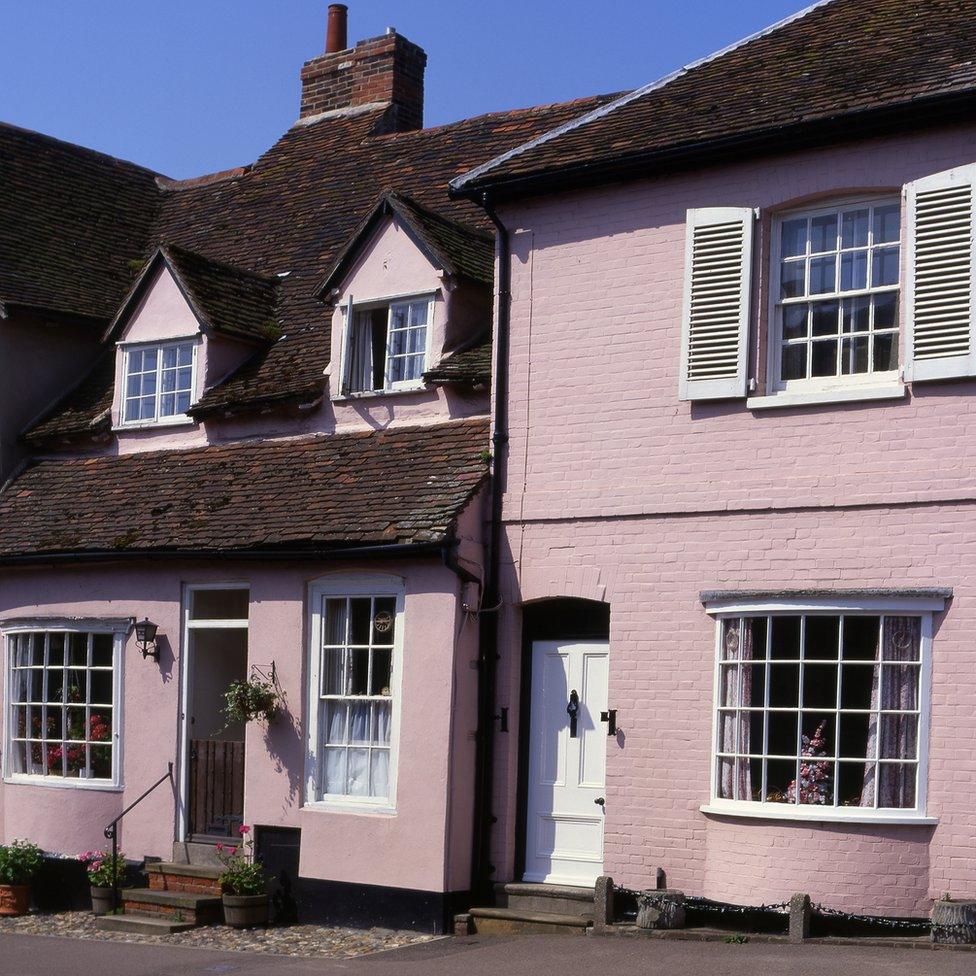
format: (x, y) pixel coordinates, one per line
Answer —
(24, 955)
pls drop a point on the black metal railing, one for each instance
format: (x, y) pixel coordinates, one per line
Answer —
(112, 834)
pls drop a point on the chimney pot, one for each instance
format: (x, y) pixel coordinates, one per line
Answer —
(336, 36)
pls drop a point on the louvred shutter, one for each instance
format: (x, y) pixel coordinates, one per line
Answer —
(940, 264)
(346, 346)
(717, 301)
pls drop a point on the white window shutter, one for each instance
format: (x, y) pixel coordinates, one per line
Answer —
(939, 293)
(717, 303)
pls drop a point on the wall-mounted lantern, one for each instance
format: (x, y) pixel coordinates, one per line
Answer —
(146, 639)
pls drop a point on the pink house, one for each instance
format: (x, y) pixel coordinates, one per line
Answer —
(737, 367)
(591, 482)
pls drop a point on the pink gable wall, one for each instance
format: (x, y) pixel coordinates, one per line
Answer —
(617, 491)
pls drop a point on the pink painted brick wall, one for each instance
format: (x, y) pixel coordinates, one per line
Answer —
(617, 491)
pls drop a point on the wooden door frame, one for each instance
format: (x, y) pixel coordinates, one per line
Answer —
(184, 738)
(570, 614)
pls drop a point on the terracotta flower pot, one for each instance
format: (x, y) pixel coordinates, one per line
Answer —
(101, 900)
(243, 911)
(14, 899)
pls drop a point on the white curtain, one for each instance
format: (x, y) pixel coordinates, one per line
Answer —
(736, 775)
(361, 354)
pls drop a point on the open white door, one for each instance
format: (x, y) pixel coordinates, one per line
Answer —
(567, 763)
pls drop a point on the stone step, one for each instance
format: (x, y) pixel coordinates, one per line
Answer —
(176, 906)
(547, 898)
(140, 924)
(191, 879)
(198, 853)
(509, 921)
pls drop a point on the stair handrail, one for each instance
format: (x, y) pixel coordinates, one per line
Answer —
(112, 833)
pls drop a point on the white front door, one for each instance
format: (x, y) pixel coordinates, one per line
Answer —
(567, 772)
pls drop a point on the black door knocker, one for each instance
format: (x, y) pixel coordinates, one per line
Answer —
(572, 709)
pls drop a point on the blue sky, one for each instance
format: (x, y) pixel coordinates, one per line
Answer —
(193, 86)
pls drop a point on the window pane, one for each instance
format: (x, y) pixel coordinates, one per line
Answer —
(101, 762)
(885, 270)
(380, 773)
(780, 774)
(852, 779)
(820, 686)
(886, 352)
(359, 722)
(418, 313)
(793, 237)
(785, 643)
(102, 650)
(855, 355)
(887, 224)
(854, 232)
(816, 782)
(382, 664)
(824, 359)
(782, 733)
(822, 640)
(824, 318)
(384, 620)
(78, 649)
(230, 604)
(382, 713)
(167, 405)
(899, 737)
(886, 310)
(823, 275)
(856, 739)
(861, 638)
(857, 684)
(792, 279)
(853, 270)
(795, 322)
(169, 358)
(794, 366)
(332, 671)
(101, 687)
(335, 722)
(358, 772)
(335, 621)
(361, 620)
(357, 671)
(823, 233)
(896, 788)
(335, 771)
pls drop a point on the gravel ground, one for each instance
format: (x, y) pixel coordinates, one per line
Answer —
(296, 940)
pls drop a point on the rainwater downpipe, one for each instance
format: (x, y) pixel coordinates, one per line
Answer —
(484, 818)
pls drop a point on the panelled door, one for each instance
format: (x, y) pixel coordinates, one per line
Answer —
(567, 762)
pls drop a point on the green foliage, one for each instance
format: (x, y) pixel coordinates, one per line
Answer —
(243, 874)
(736, 939)
(245, 701)
(19, 862)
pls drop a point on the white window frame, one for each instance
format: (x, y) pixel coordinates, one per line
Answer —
(156, 420)
(350, 309)
(119, 629)
(732, 608)
(880, 385)
(337, 586)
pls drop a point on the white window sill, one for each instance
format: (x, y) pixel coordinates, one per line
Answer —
(168, 422)
(853, 394)
(63, 783)
(782, 811)
(378, 394)
(350, 807)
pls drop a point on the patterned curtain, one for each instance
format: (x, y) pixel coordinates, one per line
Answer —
(894, 686)
(737, 693)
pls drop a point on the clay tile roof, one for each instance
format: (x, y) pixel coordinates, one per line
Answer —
(451, 246)
(836, 59)
(294, 210)
(72, 221)
(229, 300)
(403, 485)
(470, 366)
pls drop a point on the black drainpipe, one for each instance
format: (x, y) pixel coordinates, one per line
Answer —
(481, 866)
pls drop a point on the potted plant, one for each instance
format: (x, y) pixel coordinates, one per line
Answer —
(251, 699)
(19, 862)
(102, 871)
(243, 884)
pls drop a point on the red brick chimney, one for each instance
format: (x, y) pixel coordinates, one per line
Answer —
(387, 70)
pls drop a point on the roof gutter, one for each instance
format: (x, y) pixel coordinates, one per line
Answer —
(319, 553)
(917, 114)
(481, 866)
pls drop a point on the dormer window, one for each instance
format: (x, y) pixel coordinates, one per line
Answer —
(159, 382)
(386, 345)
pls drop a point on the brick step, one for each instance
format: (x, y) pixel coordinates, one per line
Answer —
(140, 924)
(191, 879)
(512, 921)
(546, 898)
(176, 906)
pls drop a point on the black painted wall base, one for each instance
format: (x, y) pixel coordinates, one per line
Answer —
(365, 906)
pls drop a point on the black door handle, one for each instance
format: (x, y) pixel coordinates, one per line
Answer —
(600, 801)
(610, 717)
(572, 710)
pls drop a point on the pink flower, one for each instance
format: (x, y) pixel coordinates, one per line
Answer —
(243, 829)
(220, 846)
(233, 851)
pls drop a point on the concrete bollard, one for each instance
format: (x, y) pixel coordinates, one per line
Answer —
(800, 912)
